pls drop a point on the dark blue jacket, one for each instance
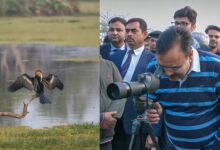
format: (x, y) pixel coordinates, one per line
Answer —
(105, 51)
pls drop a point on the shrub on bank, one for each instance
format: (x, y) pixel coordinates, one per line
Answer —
(38, 7)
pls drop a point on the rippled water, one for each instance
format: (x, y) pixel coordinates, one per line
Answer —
(77, 103)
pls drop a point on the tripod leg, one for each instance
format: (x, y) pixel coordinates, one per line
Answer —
(135, 128)
(131, 142)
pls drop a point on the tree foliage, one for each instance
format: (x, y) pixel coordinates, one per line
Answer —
(38, 7)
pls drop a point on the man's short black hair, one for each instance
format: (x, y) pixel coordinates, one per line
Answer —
(188, 12)
(171, 36)
(117, 19)
(155, 34)
(212, 27)
(143, 24)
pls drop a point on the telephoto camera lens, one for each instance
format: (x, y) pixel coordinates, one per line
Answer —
(147, 82)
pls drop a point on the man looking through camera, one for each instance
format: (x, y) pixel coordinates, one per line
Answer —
(189, 93)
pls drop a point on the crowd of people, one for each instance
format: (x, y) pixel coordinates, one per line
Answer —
(187, 103)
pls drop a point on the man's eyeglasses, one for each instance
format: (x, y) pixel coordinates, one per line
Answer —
(182, 23)
(174, 69)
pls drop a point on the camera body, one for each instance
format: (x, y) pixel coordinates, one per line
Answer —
(147, 82)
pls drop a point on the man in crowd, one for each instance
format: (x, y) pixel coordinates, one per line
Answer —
(153, 40)
(186, 17)
(214, 38)
(147, 43)
(189, 93)
(131, 63)
(116, 34)
(109, 110)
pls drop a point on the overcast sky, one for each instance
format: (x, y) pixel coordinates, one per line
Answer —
(159, 13)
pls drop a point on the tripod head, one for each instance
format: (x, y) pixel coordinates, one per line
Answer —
(142, 103)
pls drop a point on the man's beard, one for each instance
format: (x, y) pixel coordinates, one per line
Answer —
(213, 44)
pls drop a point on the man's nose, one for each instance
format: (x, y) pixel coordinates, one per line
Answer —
(154, 43)
(169, 72)
(128, 33)
(179, 25)
(211, 38)
(115, 32)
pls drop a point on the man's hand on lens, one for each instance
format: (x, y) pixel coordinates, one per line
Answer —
(109, 120)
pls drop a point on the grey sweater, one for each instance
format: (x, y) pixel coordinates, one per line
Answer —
(108, 74)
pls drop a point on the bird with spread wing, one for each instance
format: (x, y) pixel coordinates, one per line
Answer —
(37, 84)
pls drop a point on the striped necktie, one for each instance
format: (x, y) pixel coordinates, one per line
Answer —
(126, 64)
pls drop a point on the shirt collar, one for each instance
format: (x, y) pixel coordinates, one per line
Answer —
(121, 48)
(194, 67)
(137, 51)
(195, 63)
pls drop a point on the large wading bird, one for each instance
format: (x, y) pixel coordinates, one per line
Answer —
(37, 84)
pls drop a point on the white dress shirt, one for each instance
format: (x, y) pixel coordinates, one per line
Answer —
(134, 61)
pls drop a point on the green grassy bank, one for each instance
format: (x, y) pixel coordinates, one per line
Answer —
(77, 30)
(71, 137)
(74, 31)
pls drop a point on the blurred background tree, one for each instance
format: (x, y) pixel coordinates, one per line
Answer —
(39, 7)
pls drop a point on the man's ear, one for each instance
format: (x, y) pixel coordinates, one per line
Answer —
(145, 34)
(191, 56)
(193, 27)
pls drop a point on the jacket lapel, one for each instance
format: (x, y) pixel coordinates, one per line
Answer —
(140, 68)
